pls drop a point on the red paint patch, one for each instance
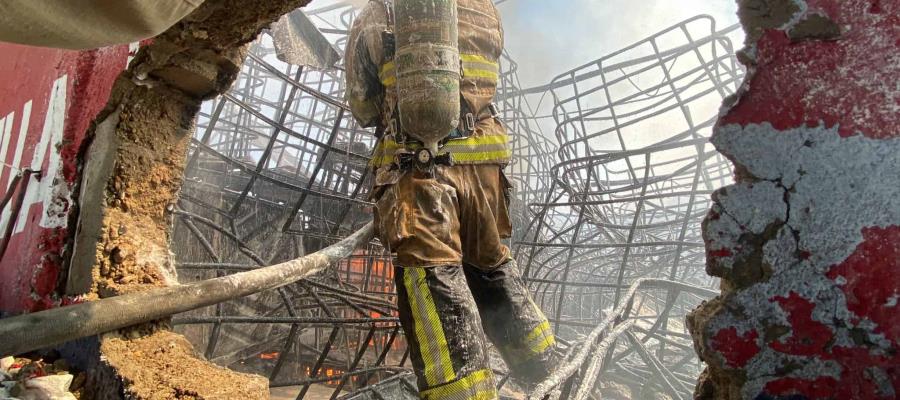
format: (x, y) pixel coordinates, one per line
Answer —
(843, 82)
(736, 349)
(872, 274)
(30, 269)
(719, 253)
(808, 337)
(872, 283)
(821, 388)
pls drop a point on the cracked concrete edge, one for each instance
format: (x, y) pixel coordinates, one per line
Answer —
(781, 236)
(134, 165)
(805, 239)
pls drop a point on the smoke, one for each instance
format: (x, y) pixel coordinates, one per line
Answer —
(357, 4)
(328, 4)
(550, 37)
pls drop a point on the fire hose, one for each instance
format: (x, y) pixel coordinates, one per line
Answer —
(42, 329)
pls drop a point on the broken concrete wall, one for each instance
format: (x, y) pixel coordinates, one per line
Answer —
(807, 241)
(48, 98)
(132, 172)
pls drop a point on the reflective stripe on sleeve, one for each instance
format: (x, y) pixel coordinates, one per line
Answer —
(539, 339)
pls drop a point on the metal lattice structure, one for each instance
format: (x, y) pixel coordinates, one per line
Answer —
(278, 169)
(632, 184)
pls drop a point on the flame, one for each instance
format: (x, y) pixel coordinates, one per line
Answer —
(269, 356)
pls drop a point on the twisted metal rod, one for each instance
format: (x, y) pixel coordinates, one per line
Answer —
(576, 357)
(47, 328)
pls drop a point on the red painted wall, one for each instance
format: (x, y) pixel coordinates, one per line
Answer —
(809, 236)
(48, 99)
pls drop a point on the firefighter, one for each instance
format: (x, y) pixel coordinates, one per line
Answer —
(456, 280)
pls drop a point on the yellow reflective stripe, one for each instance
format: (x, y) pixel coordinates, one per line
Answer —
(482, 157)
(538, 332)
(478, 73)
(388, 75)
(543, 345)
(473, 66)
(475, 58)
(541, 337)
(473, 149)
(478, 385)
(429, 333)
(479, 140)
(472, 141)
(459, 157)
(479, 148)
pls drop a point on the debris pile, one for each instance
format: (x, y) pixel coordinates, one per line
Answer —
(27, 379)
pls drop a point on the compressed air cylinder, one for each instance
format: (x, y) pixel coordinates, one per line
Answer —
(427, 62)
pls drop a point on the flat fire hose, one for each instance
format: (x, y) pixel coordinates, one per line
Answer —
(42, 329)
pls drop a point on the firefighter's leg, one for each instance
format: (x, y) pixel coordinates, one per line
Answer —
(513, 322)
(417, 217)
(511, 319)
(444, 334)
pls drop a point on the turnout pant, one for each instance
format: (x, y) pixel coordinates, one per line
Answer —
(456, 282)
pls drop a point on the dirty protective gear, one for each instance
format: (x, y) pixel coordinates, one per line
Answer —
(512, 321)
(426, 61)
(86, 24)
(444, 334)
(458, 216)
(456, 280)
(446, 310)
(447, 230)
(372, 84)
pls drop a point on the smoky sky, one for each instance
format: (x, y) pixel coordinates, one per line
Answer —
(550, 37)
(547, 38)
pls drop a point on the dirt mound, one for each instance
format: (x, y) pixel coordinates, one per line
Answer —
(164, 365)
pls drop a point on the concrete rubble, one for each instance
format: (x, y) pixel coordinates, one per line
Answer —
(27, 379)
(132, 172)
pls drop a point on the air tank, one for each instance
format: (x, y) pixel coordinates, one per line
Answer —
(428, 68)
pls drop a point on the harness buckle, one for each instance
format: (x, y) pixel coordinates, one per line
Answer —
(423, 160)
(470, 122)
(494, 111)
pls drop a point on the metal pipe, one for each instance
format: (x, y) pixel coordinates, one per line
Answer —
(29, 332)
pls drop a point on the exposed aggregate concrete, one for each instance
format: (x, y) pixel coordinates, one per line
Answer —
(150, 113)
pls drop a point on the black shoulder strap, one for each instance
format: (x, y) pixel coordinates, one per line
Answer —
(387, 37)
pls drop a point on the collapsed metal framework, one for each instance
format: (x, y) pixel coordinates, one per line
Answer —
(278, 169)
(632, 183)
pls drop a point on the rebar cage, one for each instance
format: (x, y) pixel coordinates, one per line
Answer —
(632, 183)
(278, 169)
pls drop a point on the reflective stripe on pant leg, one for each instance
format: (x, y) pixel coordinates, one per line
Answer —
(428, 330)
(540, 338)
(535, 342)
(515, 323)
(478, 385)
